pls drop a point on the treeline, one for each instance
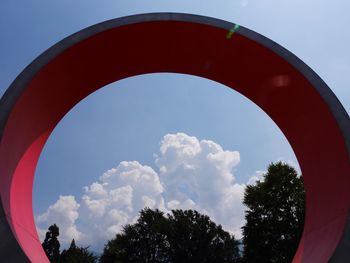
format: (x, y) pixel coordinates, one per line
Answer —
(182, 236)
(73, 254)
(274, 224)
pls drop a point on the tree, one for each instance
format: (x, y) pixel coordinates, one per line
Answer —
(274, 216)
(51, 245)
(145, 241)
(76, 254)
(183, 236)
(193, 237)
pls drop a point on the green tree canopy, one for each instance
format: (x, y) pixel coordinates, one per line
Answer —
(183, 236)
(51, 245)
(274, 216)
(193, 237)
(75, 254)
(144, 241)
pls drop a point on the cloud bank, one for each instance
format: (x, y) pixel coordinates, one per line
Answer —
(191, 174)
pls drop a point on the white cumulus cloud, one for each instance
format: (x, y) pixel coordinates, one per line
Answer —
(64, 212)
(198, 174)
(117, 197)
(191, 174)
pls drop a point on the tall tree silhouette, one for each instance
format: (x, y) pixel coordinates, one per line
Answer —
(51, 245)
(274, 216)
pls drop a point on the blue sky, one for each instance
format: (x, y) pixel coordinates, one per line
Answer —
(170, 113)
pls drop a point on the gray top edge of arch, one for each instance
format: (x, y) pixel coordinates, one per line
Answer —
(18, 85)
(27, 74)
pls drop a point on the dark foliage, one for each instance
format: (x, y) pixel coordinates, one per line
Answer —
(144, 241)
(51, 245)
(275, 216)
(183, 236)
(193, 237)
(76, 254)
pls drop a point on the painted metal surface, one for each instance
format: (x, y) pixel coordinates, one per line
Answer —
(299, 102)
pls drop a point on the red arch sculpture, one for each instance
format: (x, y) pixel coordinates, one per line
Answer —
(300, 103)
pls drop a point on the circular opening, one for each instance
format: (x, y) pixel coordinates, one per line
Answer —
(124, 127)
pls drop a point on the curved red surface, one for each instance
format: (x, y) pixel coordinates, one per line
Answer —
(197, 49)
